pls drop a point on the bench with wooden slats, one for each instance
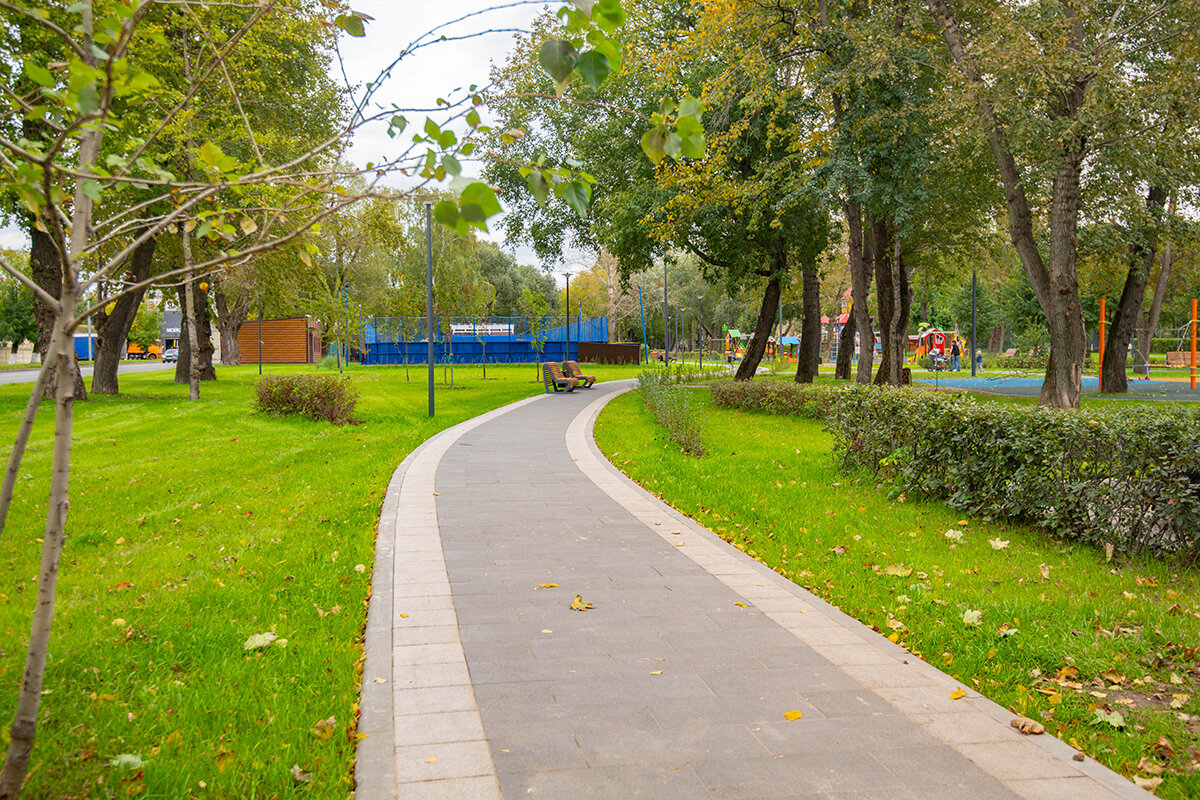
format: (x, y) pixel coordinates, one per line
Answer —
(554, 380)
(586, 380)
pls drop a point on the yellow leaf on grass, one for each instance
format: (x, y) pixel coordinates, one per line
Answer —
(792, 716)
(958, 694)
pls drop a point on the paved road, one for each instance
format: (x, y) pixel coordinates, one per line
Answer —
(126, 367)
(482, 682)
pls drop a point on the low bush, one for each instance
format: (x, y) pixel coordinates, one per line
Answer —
(672, 406)
(776, 397)
(1126, 483)
(321, 397)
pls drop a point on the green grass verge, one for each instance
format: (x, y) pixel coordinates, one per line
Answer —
(194, 526)
(1063, 634)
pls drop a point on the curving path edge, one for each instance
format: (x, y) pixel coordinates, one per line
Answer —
(419, 698)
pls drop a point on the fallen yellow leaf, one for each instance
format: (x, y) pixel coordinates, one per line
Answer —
(792, 716)
(743, 605)
(958, 694)
(548, 585)
(657, 672)
(431, 759)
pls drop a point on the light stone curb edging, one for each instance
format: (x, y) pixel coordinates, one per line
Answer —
(416, 699)
(1034, 767)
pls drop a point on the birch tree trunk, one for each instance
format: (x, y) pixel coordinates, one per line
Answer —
(190, 317)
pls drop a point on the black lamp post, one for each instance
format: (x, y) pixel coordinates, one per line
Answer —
(429, 293)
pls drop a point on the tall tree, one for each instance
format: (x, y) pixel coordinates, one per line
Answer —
(1086, 59)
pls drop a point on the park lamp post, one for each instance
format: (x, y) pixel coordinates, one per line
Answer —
(700, 320)
(567, 314)
(429, 293)
(666, 323)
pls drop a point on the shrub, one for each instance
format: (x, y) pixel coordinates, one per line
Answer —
(672, 407)
(776, 397)
(1110, 478)
(320, 397)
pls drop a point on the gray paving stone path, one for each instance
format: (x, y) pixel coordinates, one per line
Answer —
(481, 681)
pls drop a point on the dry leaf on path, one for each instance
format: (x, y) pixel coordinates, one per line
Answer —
(1027, 726)
(547, 585)
(792, 716)
(958, 694)
(579, 604)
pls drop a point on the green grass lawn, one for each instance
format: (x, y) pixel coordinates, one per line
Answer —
(194, 526)
(1062, 636)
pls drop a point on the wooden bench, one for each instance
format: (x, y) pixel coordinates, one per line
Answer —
(1009, 353)
(574, 372)
(554, 381)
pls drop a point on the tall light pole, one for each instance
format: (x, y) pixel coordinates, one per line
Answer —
(700, 300)
(666, 323)
(974, 286)
(429, 294)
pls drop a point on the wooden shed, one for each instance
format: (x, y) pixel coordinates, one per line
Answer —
(291, 340)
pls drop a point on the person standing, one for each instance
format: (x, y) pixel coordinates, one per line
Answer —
(955, 357)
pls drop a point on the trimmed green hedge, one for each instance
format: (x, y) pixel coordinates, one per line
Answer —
(1125, 478)
(320, 397)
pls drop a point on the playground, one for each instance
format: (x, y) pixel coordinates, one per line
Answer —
(1027, 385)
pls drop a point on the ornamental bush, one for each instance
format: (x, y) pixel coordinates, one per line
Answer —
(1112, 478)
(320, 397)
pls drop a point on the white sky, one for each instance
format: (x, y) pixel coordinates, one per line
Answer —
(420, 79)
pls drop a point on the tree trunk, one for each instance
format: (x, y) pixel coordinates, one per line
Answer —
(46, 271)
(895, 328)
(190, 315)
(808, 359)
(860, 289)
(229, 322)
(112, 329)
(1142, 255)
(762, 328)
(24, 725)
(183, 365)
(996, 340)
(877, 254)
(845, 354)
(1141, 364)
(1054, 281)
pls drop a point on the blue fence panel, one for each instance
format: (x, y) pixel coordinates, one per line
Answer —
(397, 340)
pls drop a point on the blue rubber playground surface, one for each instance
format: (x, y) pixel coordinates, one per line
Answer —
(1031, 386)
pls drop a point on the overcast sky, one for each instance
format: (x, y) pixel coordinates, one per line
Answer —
(422, 78)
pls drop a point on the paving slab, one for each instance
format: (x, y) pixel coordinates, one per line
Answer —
(481, 681)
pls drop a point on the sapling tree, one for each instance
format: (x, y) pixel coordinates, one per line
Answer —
(93, 208)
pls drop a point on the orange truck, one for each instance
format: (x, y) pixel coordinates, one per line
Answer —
(135, 352)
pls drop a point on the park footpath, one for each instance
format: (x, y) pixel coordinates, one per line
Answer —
(481, 682)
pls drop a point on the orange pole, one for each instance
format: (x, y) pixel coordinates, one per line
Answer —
(1193, 343)
(1100, 368)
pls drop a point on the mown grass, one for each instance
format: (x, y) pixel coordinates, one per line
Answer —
(1063, 633)
(192, 527)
